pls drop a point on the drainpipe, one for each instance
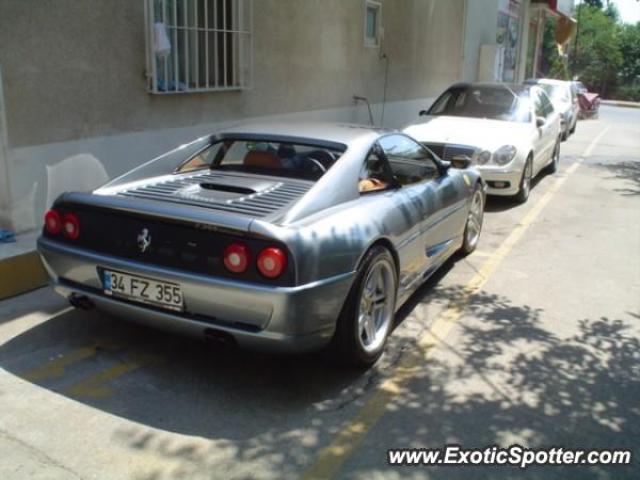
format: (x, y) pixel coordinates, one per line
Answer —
(5, 184)
(538, 46)
(523, 38)
(463, 43)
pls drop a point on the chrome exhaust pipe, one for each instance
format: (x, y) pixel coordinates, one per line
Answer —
(220, 339)
(81, 301)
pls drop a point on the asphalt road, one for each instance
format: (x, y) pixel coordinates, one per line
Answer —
(534, 339)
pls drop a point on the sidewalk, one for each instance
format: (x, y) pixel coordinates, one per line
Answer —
(620, 103)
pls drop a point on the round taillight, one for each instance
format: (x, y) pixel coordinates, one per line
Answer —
(236, 257)
(272, 262)
(70, 226)
(52, 222)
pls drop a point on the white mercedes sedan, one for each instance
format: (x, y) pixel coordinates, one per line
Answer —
(510, 132)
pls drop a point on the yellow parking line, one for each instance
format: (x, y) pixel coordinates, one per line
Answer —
(94, 385)
(56, 368)
(332, 457)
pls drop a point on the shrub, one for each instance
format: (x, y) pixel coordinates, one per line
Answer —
(630, 93)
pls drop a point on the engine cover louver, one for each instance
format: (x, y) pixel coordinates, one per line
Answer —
(205, 190)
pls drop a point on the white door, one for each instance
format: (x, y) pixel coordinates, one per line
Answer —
(544, 141)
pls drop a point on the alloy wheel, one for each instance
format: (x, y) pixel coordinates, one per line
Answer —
(474, 220)
(376, 306)
(526, 179)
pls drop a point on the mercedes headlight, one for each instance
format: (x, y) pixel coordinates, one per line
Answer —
(483, 157)
(504, 154)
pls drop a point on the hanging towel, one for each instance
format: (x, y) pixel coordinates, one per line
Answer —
(7, 236)
(161, 44)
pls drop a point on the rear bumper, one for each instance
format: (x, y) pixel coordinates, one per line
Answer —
(496, 176)
(262, 317)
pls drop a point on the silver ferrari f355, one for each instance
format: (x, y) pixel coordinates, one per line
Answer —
(283, 237)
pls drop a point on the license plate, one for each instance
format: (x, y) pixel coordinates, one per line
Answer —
(143, 290)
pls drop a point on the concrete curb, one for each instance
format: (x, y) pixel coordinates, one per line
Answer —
(21, 273)
(620, 103)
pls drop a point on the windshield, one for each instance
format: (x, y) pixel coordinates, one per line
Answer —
(265, 157)
(496, 103)
(557, 93)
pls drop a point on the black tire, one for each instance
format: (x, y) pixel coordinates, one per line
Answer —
(346, 342)
(469, 244)
(555, 160)
(523, 194)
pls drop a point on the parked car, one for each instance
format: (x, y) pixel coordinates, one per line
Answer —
(283, 237)
(589, 102)
(565, 100)
(579, 87)
(511, 133)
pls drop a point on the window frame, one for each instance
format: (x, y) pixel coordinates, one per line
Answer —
(440, 167)
(549, 109)
(368, 41)
(392, 183)
(176, 77)
(537, 102)
(221, 152)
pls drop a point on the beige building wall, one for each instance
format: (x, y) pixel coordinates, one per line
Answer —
(74, 79)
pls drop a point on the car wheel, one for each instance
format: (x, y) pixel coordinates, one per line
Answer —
(473, 227)
(573, 129)
(555, 158)
(367, 316)
(525, 182)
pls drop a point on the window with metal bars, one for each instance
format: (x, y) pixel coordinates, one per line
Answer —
(198, 45)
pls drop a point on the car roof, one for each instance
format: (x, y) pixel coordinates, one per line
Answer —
(322, 132)
(515, 87)
(547, 81)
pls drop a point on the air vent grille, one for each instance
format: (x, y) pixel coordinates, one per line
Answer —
(186, 190)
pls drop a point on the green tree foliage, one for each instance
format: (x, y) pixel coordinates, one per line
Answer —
(606, 56)
(629, 76)
(630, 49)
(594, 3)
(552, 65)
(612, 12)
(598, 57)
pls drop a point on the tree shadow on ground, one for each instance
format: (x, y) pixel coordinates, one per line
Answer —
(508, 377)
(625, 170)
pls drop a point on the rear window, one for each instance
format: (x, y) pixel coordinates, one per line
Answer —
(276, 158)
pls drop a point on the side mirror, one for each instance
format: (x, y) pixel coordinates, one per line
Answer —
(460, 162)
(422, 113)
(540, 121)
